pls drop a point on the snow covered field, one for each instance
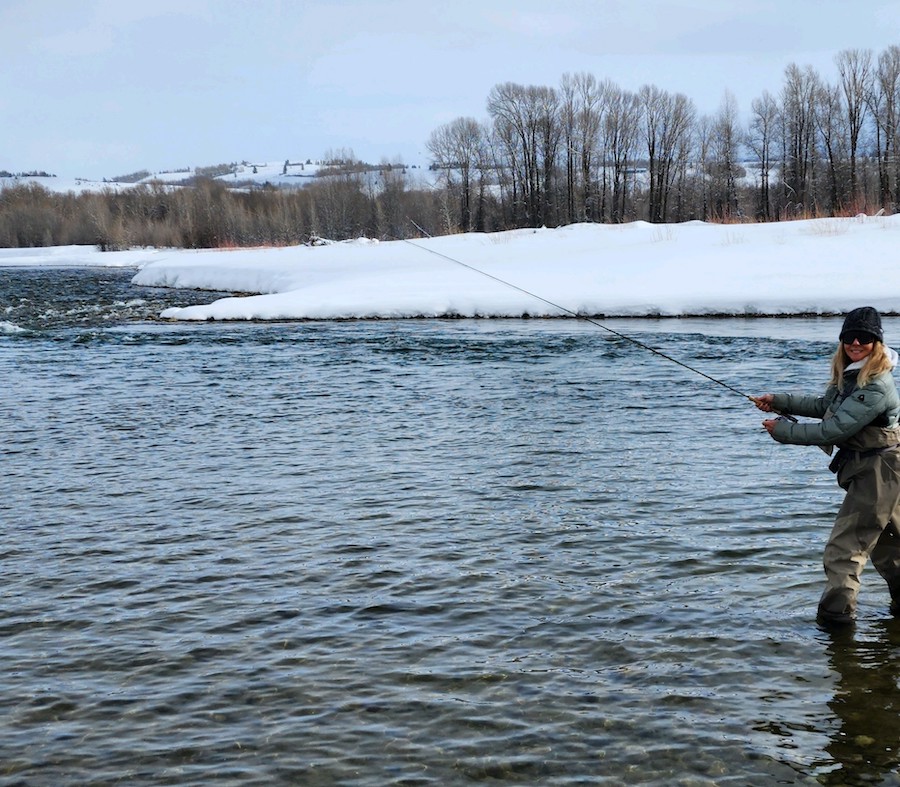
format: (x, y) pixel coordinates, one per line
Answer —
(638, 269)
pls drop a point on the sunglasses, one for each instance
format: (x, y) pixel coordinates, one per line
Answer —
(857, 336)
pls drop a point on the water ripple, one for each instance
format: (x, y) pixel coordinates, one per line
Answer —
(420, 553)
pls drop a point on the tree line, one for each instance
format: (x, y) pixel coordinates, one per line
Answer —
(586, 150)
(590, 151)
(209, 214)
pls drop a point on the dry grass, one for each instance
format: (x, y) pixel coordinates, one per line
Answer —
(733, 239)
(664, 233)
(828, 228)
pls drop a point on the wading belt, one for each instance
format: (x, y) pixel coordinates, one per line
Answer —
(845, 455)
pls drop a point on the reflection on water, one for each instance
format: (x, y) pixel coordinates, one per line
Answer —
(420, 553)
(864, 745)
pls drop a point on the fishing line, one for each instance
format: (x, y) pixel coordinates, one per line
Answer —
(574, 314)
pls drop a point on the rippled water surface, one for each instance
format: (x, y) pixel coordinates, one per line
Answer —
(445, 552)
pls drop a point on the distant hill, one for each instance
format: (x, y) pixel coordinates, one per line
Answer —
(247, 174)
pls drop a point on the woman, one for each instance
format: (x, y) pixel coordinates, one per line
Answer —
(859, 412)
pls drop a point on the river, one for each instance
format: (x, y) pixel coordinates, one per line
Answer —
(417, 552)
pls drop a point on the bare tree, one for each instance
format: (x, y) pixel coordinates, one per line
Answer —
(526, 121)
(507, 107)
(760, 139)
(569, 108)
(855, 69)
(341, 205)
(458, 151)
(798, 136)
(620, 135)
(549, 136)
(583, 106)
(389, 201)
(726, 138)
(667, 125)
(704, 132)
(884, 102)
(595, 99)
(832, 126)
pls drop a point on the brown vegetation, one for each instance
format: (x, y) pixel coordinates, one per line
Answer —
(207, 215)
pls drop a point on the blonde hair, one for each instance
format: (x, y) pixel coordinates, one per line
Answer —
(876, 363)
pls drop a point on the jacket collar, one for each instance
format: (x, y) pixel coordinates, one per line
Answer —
(891, 354)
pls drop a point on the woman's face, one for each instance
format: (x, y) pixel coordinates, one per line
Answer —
(858, 352)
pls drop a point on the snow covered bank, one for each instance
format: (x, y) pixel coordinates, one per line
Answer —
(76, 257)
(818, 266)
(639, 269)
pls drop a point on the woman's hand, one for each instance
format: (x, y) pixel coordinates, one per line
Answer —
(763, 402)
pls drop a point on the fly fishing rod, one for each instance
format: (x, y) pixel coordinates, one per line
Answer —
(579, 316)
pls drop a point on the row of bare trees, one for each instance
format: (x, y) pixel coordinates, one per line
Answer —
(208, 214)
(584, 151)
(591, 151)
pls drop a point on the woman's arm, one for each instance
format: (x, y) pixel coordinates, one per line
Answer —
(797, 404)
(856, 411)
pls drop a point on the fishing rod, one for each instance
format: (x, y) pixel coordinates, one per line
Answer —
(581, 317)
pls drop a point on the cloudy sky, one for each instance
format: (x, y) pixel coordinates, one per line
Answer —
(100, 88)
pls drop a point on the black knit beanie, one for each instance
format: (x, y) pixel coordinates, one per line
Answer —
(864, 319)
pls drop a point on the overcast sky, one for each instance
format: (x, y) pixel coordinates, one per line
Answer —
(100, 88)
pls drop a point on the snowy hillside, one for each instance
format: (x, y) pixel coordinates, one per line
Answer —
(279, 172)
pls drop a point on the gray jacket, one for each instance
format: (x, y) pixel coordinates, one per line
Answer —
(855, 418)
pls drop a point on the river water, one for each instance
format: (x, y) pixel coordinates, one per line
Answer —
(418, 553)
